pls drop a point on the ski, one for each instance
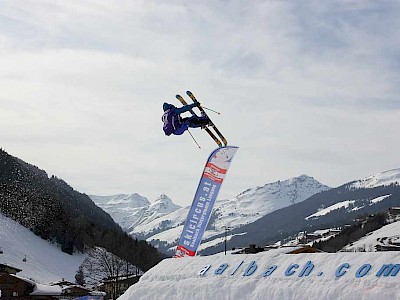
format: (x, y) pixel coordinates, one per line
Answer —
(183, 101)
(223, 139)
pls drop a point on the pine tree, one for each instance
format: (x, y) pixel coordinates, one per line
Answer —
(80, 277)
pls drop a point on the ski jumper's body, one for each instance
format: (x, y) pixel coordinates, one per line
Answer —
(175, 124)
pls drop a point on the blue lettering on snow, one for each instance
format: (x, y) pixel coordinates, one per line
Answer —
(250, 269)
(385, 271)
(220, 269)
(363, 270)
(237, 268)
(389, 269)
(340, 272)
(307, 269)
(270, 270)
(290, 270)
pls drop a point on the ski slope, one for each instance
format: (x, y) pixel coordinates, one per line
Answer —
(178, 278)
(345, 204)
(331, 208)
(45, 262)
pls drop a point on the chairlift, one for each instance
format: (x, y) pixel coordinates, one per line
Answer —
(1, 251)
(24, 259)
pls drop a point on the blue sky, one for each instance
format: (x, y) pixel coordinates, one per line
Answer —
(306, 87)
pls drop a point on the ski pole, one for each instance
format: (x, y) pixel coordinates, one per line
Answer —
(194, 139)
(211, 110)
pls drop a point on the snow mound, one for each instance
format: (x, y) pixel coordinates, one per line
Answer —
(180, 278)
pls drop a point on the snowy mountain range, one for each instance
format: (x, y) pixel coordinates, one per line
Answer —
(162, 224)
(336, 207)
(162, 227)
(133, 210)
(387, 178)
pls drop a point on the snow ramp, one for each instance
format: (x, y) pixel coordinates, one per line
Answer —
(273, 274)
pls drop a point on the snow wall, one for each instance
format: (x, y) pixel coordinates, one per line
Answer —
(273, 275)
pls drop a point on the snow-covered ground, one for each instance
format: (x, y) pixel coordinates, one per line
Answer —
(383, 178)
(45, 262)
(332, 276)
(383, 236)
(331, 208)
(345, 204)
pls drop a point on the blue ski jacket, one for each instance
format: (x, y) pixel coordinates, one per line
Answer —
(172, 120)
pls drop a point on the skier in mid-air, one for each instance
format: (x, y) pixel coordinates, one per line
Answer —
(175, 124)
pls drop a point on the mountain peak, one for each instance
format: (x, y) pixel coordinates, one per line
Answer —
(130, 210)
(163, 198)
(303, 182)
(284, 192)
(164, 204)
(300, 178)
(131, 200)
(304, 176)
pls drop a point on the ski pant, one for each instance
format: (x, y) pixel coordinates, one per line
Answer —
(195, 121)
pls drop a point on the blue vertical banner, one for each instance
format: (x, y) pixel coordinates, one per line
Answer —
(211, 180)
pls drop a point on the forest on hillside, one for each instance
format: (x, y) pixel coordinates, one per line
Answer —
(53, 210)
